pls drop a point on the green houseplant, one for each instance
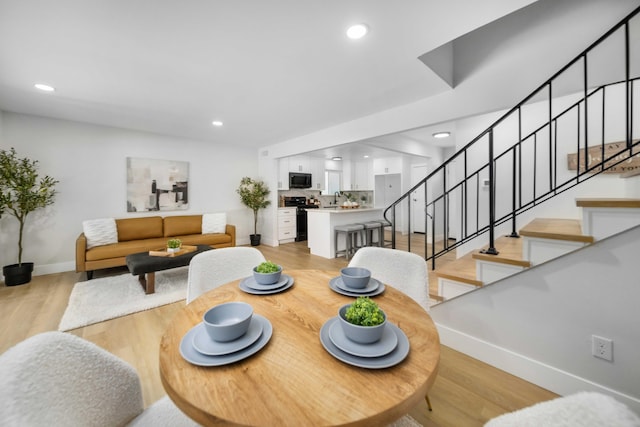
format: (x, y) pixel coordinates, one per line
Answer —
(174, 245)
(254, 194)
(22, 192)
(362, 321)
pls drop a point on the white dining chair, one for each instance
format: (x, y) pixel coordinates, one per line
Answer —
(405, 271)
(58, 379)
(210, 269)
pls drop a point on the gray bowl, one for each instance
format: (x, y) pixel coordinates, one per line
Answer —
(355, 277)
(228, 321)
(360, 334)
(267, 278)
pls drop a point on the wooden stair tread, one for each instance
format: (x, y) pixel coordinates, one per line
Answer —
(607, 203)
(557, 229)
(509, 252)
(462, 270)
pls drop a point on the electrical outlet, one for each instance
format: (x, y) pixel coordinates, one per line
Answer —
(602, 347)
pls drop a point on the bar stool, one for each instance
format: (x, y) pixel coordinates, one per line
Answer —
(369, 228)
(383, 224)
(351, 233)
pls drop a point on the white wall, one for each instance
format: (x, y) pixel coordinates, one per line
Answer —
(538, 324)
(90, 163)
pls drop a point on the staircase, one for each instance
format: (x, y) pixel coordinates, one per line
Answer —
(540, 240)
(573, 129)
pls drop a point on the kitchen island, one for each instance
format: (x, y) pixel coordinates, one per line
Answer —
(320, 224)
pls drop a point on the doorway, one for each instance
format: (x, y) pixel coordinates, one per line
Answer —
(418, 208)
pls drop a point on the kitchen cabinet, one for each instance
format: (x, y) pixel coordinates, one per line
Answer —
(387, 165)
(362, 175)
(300, 164)
(283, 173)
(305, 164)
(286, 225)
(317, 174)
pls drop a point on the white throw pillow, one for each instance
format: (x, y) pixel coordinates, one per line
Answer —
(100, 232)
(214, 223)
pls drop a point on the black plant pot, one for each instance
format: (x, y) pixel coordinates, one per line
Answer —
(255, 239)
(17, 274)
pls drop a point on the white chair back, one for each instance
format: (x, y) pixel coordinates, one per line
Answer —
(210, 269)
(58, 379)
(405, 271)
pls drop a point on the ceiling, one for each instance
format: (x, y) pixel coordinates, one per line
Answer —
(277, 70)
(270, 70)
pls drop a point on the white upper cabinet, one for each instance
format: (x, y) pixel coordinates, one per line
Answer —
(387, 165)
(305, 164)
(317, 174)
(283, 173)
(300, 164)
(362, 175)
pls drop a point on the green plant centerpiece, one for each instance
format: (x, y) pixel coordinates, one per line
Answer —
(362, 321)
(174, 245)
(267, 273)
(364, 312)
(22, 191)
(254, 194)
(267, 267)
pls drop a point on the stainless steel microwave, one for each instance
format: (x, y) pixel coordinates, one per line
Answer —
(299, 180)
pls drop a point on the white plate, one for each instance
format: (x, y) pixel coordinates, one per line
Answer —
(249, 290)
(385, 345)
(205, 345)
(371, 286)
(250, 282)
(388, 360)
(191, 355)
(334, 287)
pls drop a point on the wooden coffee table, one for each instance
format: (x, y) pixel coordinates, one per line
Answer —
(145, 265)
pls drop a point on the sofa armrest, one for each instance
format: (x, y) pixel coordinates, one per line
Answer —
(81, 252)
(231, 231)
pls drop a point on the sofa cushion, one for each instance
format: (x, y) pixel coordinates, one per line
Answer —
(139, 228)
(181, 225)
(214, 223)
(102, 231)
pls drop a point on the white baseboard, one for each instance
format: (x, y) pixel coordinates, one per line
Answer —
(533, 371)
(40, 270)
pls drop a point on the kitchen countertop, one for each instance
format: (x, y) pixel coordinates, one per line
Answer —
(343, 210)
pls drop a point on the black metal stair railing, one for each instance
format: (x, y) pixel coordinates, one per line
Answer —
(575, 111)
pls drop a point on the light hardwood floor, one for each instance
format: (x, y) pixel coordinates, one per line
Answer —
(466, 393)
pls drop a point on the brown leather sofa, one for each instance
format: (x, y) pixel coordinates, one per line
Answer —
(145, 234)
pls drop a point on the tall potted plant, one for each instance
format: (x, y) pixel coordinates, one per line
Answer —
(21, 192)
(253, 194)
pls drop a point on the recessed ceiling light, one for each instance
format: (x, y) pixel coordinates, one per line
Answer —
(44, 87)
(357, 31)
(366, 156)
(217, 123)
(442, 134)
(336, 158)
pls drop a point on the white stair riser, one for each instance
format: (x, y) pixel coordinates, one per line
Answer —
(451, 288)
(605, 222)
(489, 272)
(537, 250)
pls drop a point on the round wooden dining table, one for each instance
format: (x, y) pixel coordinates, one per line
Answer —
(293, 380)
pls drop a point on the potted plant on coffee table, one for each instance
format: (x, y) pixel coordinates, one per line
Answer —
(253, 194)
(22, 192)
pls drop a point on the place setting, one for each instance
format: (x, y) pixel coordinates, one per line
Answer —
(228, 333)
(361, 335)
(267, 278)
(355, 282)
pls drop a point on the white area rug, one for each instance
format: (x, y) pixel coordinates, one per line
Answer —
(106, 298)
